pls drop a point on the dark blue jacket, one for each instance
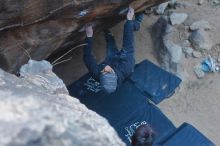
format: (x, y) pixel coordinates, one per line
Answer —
(123, 62)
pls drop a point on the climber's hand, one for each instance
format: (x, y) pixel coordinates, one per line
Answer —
(130, 14)
(89, 31)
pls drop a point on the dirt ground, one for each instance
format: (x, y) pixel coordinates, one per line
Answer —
(197, 101)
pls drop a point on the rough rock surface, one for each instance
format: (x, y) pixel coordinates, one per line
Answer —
(40, 73)
(197, 54)
(40, 28)
(200, 40)
(202, 24)
(169, 53)
(161, 8)
(32, 116)
(188, 51)
(178, 18)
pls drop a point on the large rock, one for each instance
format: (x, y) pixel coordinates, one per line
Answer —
(41, 27)
(32, 116)
(169, 53)
(202, 24)
(200, 40)
(40, 73)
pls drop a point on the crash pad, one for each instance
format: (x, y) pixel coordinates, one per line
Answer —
(153, 82)
(186, 135)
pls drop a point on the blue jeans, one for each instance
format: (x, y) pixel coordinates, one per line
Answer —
(111, 48)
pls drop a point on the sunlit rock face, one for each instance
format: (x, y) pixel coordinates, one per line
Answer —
(33, 114)
(37, 28)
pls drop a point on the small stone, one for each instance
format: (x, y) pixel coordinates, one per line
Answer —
(161, 8)
(200, 40)
(197, 54)
(202, 24)
(188, 51)
(172, 2)
(200, 2)
(186, 43)
(178, 18)
(198, 71)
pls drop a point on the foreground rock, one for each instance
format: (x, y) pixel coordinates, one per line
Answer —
(45, 27)
(40, 73)
(32, 116)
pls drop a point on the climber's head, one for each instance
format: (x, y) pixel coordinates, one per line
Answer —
(108, 79)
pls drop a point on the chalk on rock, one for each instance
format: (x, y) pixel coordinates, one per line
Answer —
(178, 18)
(202, 24)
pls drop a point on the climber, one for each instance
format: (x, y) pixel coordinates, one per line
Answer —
(118, 65)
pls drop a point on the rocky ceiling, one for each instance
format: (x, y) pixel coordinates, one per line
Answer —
(37, 28)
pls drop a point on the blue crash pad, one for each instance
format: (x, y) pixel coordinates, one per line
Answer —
(186, 135)
(130, 105)
(153, 82)
(128, 108)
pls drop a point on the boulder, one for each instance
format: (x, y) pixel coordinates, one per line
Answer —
(32, 115)
(169, 53)
(200, 40)
(37, 28)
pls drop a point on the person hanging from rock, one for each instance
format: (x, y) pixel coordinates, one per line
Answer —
(118, 65)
